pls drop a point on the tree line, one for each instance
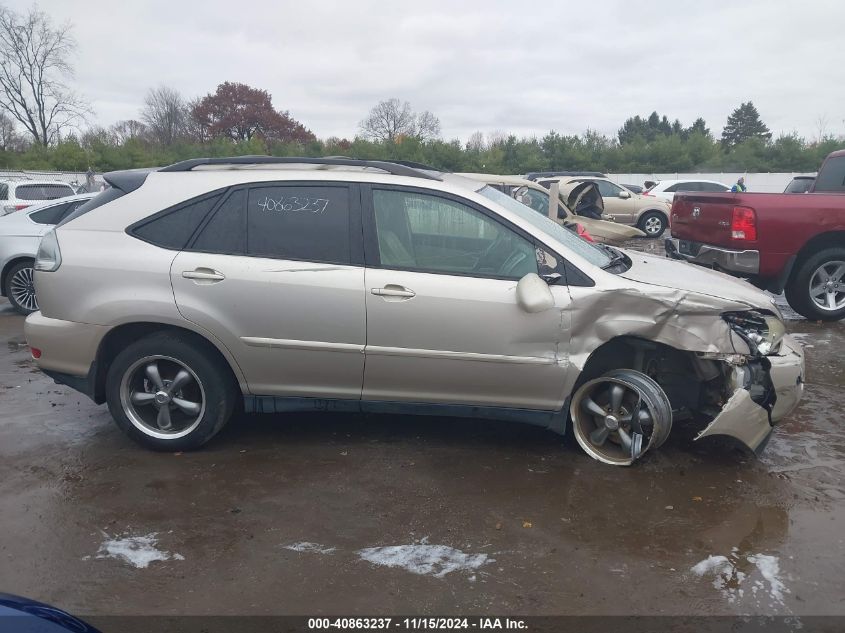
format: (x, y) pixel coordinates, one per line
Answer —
(44, 124)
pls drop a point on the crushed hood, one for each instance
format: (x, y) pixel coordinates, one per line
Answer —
(669, 273)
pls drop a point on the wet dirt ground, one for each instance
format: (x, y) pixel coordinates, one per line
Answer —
(330, 514)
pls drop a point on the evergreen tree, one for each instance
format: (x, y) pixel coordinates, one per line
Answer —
(744, 123)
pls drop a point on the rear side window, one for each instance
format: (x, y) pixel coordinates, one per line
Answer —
(4, 192)
(832, 175)
(799, 185)
(173, 227)
(51, 215)
(42, 192)
(712, 186)
(225, 232)
(301, 222)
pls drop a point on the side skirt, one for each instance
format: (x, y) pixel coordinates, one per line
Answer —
(553, 420)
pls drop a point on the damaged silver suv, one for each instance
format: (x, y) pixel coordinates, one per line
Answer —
(279, 285)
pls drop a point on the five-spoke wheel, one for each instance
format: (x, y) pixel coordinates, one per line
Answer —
(619, 416)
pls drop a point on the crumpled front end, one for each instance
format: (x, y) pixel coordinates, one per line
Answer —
(765, 391)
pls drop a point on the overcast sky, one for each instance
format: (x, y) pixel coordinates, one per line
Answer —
(519, 67)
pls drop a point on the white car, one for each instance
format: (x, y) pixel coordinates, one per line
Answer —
(20, 234)
(665, 189)
(16, 195)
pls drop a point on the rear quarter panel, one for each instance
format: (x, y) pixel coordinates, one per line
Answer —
(785, 222)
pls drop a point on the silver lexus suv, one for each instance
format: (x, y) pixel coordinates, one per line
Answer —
(283, 284)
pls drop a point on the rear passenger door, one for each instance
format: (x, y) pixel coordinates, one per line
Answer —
(276, 273)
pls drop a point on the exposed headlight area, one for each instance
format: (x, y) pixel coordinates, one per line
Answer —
(49, 257)
(763, 332)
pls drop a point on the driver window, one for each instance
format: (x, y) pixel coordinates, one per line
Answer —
(427, 233)
(608, 189)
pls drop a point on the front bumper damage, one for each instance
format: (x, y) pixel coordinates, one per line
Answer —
(750, 422)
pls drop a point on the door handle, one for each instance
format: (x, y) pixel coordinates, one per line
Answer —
(393, 290)
(204, 274)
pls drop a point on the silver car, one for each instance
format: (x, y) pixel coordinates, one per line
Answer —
(20, 234)
(285, 285)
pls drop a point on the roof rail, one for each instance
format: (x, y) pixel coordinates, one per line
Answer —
(396, 169)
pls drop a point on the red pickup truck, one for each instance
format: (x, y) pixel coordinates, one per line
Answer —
(778, 241)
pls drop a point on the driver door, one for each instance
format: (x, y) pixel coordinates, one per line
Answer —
(443, 324)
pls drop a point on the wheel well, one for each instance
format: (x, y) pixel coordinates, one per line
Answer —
(681, 374)
(118, 338)
(817, 243)
(9, 265)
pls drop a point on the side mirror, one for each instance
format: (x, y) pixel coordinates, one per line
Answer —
(533, 294)
(624, 194)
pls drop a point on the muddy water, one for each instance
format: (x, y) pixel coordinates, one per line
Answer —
(345, 514)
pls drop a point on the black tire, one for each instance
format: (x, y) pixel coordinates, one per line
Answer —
(648, 224)
(171, 352)
(798, 287)
(21, 273)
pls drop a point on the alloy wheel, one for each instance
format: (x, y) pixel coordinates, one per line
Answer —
(22, 289)
(162, 397)
(827, 286)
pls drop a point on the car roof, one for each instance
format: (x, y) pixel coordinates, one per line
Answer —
(37, 182)
(671, 181)
(55, 201)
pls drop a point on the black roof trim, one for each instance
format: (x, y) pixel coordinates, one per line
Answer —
(127, 180)
(395, 168)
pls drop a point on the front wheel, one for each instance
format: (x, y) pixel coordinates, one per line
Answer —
(169, 392)
(652, 223)
(617, 417)
(20, 288)
(817, 289)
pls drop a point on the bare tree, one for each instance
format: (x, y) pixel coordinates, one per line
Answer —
(389, 120)
(476, 142)
(10, 140)
(34, 64)
(427, 126)
(166, 114)
(127, 130)
(822, 127)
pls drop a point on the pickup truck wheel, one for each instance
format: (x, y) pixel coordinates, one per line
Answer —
(817, 289)
(168, 393)
(652, 223)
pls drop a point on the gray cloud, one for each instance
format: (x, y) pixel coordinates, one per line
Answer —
(522, 67)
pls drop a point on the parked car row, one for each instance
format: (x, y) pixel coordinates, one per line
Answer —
(290, 284)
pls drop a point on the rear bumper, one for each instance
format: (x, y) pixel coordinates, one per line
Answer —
(68, 349)
(745, 262)
(748, 422)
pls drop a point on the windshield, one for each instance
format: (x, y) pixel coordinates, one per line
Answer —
(585, 249)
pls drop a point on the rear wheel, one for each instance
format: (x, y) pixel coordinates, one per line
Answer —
(20, 288)
(616, 418)
(817, 289)
(652, 223)
(169, 393)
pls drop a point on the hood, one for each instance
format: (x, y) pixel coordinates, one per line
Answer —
(669, 273)
(573, 192)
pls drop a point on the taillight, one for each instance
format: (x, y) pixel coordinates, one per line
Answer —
(744, 224)
(36, 353)
(18, 207)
